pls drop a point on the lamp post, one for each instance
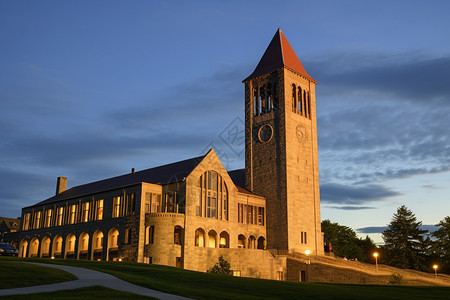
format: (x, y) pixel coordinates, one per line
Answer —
(435, 267)
(308, 261)
(376, 260)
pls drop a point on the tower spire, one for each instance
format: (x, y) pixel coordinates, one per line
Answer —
(279, 54)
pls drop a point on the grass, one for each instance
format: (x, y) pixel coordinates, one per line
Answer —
(211, 286)
(88, 293)
(15, 274)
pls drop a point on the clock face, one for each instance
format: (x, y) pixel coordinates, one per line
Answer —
(265, 133)
(302, 134)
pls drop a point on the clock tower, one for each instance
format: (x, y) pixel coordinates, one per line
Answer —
(281, 159)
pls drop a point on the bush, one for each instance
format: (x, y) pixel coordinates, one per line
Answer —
(396, 279)
(222, 267)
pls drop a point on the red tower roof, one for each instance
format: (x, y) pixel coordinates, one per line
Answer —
(279, 54)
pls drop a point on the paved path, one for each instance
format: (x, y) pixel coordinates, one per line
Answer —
(87, 278)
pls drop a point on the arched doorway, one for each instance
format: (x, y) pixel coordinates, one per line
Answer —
(97, 245)
(34, 248)
(57, 247)
(70, 246)
(45, 247)
(113, 245)
(23, 247)
(83, 246)
(200, 238)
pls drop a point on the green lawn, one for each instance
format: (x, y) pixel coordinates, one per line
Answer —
(15, 274)
(210, 286)
(88, 293)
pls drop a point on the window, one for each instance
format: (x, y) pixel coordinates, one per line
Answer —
(73, 214)
(156, 203)
(99, 209)
(59, 218)
(237, 273)
(177, 235)
(127, 236)
(151, 234)
(26, 221)
(116, 207)
(213, 196)
(250, 214)
(85, 212)
(303, 239)
(280, 275)
(255, 102)
(48, 218)
(170, 202)
(37, 220)
(260, 215)
(300, 103)
(130, 207)
(294, 98)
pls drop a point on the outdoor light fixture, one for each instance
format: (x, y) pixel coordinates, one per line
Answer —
(376, 260)
(435, 267)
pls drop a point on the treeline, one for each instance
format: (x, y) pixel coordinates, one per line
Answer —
(406, 245)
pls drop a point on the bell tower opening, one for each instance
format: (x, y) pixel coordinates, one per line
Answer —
(281, 158)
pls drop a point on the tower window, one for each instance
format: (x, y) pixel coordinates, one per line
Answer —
(255, 102)
(300, 101)
(294, 98)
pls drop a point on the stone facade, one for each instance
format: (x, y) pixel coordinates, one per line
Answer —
(189, 213)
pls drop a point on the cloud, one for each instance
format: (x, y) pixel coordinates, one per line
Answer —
(380, 229)
(354, 195)
(412, 76)
(346, 207)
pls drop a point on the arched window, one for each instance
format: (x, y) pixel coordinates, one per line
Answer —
(45, 247)
(294, 98)
(200, 238)
(34, 248)
(57, 246)
(305, 97)
(83, 245)
(299, 101)
(70, 246)
(113, 244)
(262, 101)
(213, 196)
(23, 247)
(224, 240)
(251, 242)
(309, 105)
(97, 245)
(177, 235)
(212, 239)
(269, 97)
(241, 241)
(261, 243)
(255, 102)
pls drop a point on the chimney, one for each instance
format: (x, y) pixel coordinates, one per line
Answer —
(61, 185)
(132, 171)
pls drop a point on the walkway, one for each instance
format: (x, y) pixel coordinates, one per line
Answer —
(87, 278)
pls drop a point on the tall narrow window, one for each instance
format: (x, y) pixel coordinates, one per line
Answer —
(26, 221)
(255, 102)
(85, 212)
(116, 207)
(300, 106)
(225, 202)
(59, 218)
(260, 215)
(48, 218)
(99, 215)
(37, 220)
(213, 196)
(262, 101)
(309, 105)
(269, 97)
(155, 203)
(148, 201)
(73, 214)
(198, 208)
(130, 204)
(177, 235)
(294, 98)
(127, 236)
(151, 234)
(170, 202)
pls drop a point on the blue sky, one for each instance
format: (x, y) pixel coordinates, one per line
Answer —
(91, 89)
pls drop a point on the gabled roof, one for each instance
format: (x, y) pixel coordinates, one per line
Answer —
(159, 175)
(238, 177)
(10, 223)
(279, 54)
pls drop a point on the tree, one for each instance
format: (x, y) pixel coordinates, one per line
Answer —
(222, 267)
(345, 242)
(405, 243)
(441, 246)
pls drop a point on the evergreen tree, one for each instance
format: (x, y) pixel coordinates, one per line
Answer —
(404, 241)
(345, 242)
(222, 267)
(441, 246)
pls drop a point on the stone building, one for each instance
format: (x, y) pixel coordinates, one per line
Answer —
(188, 213)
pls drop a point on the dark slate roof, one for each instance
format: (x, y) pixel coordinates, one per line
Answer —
(279, 54)
(238, 177)
(10, 223)
(159, 175)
